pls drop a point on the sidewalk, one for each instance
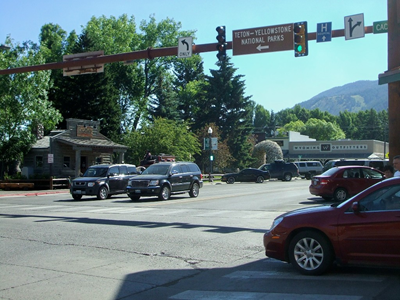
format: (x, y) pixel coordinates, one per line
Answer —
(13, 193)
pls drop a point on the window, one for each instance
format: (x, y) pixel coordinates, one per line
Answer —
(39, 161)
(67, 162)
(131, 170)
(123, 170)
(387, 198)
(113, 171)
(175, 170)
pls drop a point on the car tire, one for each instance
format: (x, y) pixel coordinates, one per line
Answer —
(260, 179)
(102, 194)
(231, 180)
(134, 197)
(194, 190)
(310, 253)
(287, 177)
(165, 193)
(340, 194)
(77, 197)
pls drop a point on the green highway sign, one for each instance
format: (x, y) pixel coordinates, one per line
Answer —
(380, 27)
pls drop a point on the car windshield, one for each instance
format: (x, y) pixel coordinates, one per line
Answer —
(156, 169)
(96, 172)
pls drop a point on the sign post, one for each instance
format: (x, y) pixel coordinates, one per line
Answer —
(262, 39)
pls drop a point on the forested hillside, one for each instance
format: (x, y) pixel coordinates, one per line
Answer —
(353, 97)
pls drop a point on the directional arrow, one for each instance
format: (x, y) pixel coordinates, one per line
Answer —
(259, 47)
(187, 45)
(353, 26)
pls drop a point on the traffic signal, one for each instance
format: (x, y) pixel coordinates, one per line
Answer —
(221, 47)
(300, 39)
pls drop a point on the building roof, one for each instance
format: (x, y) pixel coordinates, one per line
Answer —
(100, 141)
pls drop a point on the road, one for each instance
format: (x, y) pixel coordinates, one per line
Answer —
(209, 247)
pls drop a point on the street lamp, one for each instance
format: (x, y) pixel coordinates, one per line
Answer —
(211, 157)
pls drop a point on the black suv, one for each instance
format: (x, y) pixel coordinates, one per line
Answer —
(163, 179)
(281, 170)
(103, 181)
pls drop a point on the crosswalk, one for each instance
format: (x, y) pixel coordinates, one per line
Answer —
(288, 285)
(155, 211)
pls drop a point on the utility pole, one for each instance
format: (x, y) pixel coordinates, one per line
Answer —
(393, 8)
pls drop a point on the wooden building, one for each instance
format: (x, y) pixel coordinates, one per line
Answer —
(70, 152)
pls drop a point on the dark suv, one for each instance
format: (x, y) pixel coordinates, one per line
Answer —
(103, 181)
(281, 170)
(164, 179)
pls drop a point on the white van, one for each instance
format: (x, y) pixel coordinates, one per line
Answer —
(374, 163)
(308, 169)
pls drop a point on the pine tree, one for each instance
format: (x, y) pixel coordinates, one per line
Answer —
(231, 111)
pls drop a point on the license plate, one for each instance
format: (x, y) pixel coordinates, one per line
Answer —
(78, 192)
(137, 191)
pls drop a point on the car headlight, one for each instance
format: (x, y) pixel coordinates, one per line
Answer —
(276, 222)
(153, 182)
(91, 184)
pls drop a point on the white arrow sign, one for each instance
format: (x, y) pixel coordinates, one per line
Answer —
(185, 47)
(259, 47)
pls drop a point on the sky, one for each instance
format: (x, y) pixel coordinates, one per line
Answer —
(275, 80)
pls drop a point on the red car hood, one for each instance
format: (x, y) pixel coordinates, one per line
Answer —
(310, 210)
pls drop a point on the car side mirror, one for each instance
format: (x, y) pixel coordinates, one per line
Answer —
(355, 207)
(173, 172)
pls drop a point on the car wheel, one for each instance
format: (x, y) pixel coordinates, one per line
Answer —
(231, 180)
(260, 179)
(102, 193)
(165, 193)
(287, 177)
(310, 253)
(194, 191)
(134, 198)
(340, 194)
(77, 197)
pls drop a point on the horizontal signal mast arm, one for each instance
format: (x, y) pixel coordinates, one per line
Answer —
(149, 53)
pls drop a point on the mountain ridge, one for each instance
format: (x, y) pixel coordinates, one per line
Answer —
(353, 97)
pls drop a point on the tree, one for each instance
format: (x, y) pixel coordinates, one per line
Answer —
(231, 111)
(222, 156)
(162, 136)
(262, 118)
(322, 130)
(24, 102)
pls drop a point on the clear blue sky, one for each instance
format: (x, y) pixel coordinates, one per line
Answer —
(276, 80)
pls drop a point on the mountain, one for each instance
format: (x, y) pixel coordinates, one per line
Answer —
(353, 97)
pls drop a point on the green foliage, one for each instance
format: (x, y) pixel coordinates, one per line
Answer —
(322, 130)
(162, 136)
(262, 117)
(231, 111)
(24, 102)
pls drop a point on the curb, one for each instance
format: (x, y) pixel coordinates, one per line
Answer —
(33, 193)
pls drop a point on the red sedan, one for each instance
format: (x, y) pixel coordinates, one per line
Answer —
(340, 183)
(365, 229)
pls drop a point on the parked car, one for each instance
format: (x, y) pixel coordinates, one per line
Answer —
(362, 230)
(374, 163)
(308, 169)
(103, 181)
(281, 170)
(340, 183)
(246, 175)
(166, 178)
